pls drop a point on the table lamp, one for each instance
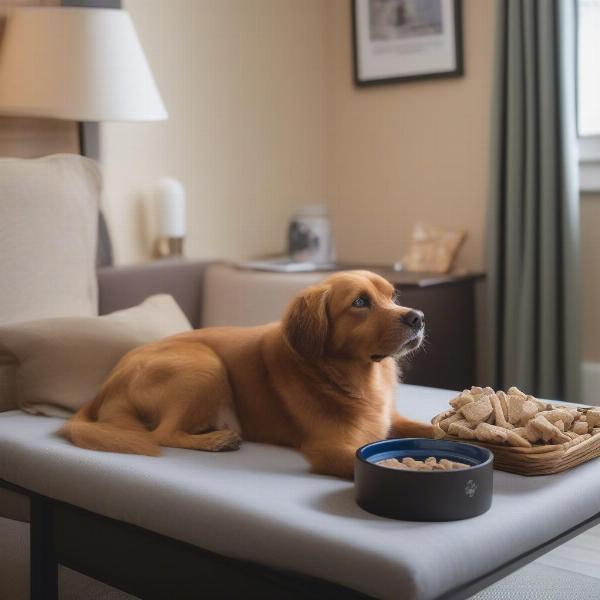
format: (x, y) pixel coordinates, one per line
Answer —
(79, 64)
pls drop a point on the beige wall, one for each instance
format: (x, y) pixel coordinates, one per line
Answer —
(264, 116)
(244, 83)
(408, 152)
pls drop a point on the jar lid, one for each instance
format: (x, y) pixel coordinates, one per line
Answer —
(312, 210)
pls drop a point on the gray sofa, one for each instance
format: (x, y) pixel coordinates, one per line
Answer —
(122, 287)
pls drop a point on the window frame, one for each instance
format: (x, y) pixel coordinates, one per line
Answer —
(589, 163)
(589, 145)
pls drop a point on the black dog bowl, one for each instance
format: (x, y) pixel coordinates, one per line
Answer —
(423, 495)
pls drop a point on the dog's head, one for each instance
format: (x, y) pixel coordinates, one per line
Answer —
(354, 314)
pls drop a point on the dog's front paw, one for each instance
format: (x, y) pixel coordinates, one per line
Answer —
(403, 427)
(427, 431)
(226, 439)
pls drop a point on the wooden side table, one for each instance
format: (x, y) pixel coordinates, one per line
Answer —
(448, 358)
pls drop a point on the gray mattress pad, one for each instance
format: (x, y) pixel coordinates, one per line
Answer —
(262, 504)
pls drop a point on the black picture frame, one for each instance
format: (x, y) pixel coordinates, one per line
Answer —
(458, 71)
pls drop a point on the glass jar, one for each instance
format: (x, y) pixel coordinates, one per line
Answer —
(310, 237)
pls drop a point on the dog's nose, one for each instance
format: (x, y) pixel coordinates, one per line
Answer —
(413, 318)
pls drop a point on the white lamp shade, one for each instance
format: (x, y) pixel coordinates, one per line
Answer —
(81, 64)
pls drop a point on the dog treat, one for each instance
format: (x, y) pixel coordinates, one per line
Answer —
(433, 463)
(490, 433)
(593, 417)
(445, 424)
(503, 403)
(522, 431)
(438, 418)
(520, 409)
(392, 463)
(478, 411)
(515, 439)
(559, 414)
(461, 400)
(462, 430)
(513, 418)
(452, 464)
(540, 405)
(438, 432)
(580, 427)
(515, 391)
(499, 411)
(549, 431)
(532, 433)
(429, 464)
(528, 410)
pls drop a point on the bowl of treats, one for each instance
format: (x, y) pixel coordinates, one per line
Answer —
(418, 479)
(528, 436)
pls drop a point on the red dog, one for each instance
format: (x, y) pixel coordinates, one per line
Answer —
(322, 380)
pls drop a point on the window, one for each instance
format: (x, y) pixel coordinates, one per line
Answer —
(588, 93)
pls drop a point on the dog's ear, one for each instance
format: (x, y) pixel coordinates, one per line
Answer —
(305, 324)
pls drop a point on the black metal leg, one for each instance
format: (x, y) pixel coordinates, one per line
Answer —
(43, 565)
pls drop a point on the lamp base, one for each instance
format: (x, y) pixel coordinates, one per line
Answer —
(169, 246)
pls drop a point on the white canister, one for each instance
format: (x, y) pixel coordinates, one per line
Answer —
(169, 196)
(310, 238)
(170, 208)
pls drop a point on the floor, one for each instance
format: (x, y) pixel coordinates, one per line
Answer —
(14, 571)
(580, 555)
(571, 571)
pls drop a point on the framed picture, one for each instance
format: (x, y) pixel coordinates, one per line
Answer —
(402, 40)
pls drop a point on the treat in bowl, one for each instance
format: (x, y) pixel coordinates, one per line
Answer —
(429, 464)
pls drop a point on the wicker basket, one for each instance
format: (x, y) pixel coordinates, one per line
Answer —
(540, 459)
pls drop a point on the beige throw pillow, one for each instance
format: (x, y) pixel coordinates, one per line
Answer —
(62, 362)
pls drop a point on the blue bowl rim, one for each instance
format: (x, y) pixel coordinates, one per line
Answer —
(442, 443)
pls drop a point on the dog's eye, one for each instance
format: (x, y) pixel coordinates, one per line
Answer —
(361, 302)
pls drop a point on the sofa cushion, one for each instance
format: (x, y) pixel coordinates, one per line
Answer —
(48, 237)
(62, 362)
(48, 232)
(244, 298)
(262, 504)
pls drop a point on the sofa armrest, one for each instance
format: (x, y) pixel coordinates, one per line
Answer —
(123, 287)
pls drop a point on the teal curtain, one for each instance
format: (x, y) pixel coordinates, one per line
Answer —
(533, 219)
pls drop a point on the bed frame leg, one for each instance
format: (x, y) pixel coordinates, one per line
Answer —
(43, 565)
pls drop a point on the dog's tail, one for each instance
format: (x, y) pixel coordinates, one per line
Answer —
(83, 431)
